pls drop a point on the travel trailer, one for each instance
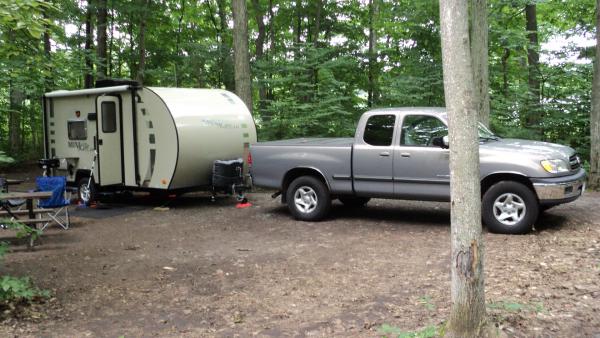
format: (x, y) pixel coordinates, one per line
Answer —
(122, 136)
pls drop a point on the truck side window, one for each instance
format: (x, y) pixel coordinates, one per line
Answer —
(77, 130)
(109, 117)
(420, 130)
(380, 130)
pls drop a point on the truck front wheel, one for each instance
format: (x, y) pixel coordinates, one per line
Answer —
(509, 207)
(308, 199)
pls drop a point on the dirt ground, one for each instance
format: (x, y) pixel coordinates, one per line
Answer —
(203, 269)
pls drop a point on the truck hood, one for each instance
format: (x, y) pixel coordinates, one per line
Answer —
(534, 149)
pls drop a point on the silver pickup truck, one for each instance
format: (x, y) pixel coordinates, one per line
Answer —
(402, 153)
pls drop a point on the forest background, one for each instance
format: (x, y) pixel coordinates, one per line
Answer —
(316, 65)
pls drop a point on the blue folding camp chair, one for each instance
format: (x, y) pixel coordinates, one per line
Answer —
(58, 204)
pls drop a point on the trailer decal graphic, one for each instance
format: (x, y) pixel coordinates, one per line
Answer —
(79, 145)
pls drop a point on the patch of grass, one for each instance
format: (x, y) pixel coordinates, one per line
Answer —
(511, 306)
(426, 301)
(390, 331)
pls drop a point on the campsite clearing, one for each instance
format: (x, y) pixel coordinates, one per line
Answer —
(209, 269)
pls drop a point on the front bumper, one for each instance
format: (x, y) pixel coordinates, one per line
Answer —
(562, 189)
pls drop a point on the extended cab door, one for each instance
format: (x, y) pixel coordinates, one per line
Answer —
(109, 141)
(372, 160)
(421, 169)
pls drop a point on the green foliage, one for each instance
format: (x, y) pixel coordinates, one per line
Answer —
(4, 159)
(15, 288)
(430, 331)
(511, 306)
(305, 84)
(426, 301)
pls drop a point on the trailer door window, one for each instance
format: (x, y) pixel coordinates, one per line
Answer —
(109, 117)
(77, 130)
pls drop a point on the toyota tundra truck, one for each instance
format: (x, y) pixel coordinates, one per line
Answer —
(403, 153)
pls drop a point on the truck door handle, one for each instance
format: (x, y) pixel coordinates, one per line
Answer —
(384, 153)
(99, 142)
(405, 154)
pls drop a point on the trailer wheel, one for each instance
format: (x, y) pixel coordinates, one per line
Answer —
(509, 207)
(87, 194)
(353, 201)
(308, 199)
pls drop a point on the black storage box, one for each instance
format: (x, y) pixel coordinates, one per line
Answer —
(226, 174)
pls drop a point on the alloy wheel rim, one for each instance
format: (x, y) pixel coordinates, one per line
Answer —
(305, 199)
(509, 209)
(84, 192)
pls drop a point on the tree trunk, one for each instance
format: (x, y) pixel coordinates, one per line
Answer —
(594, 178)
(505, 57)
(14, 123)
(372, 95)
(260, 47)
(178, 44)
(142, 43)
(101, 36)
(111, 40)
(533, 117)
(467, 314)
(88, 78)
(479, 53)
(240, 50)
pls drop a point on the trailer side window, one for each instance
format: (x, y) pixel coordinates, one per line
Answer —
(77, 130)
(109, 117)
(379, 130)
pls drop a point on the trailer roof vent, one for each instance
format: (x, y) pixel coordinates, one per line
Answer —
(116, 82)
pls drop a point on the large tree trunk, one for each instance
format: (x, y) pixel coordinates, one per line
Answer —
(101, 36)
(467, 316)
(533, 117)
(479, 53)
(241, 55)
(372, 95)
(88, 78)
(178, 44)
(594, 178)
(142, 43)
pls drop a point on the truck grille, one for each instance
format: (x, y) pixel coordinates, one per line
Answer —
(574, 162)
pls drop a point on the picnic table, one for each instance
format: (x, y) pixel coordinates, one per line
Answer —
(29, 212)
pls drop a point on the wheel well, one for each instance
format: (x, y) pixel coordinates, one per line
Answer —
(297, 172)
(81, 173)
(492, 179)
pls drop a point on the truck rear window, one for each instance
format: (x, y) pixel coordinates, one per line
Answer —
(380, 130)
(77, 130)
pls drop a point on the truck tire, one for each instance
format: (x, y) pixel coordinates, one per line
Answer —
(308, 199)
(354, 201)
(509, 207)
(86, 194)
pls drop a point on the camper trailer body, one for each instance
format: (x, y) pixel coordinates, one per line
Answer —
(129, 137)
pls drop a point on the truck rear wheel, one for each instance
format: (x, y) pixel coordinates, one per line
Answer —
(354, 201)
(509, 207)
(308, 199)
(86, 190)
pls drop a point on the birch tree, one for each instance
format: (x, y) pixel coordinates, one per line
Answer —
(467, 317)
(594, 178)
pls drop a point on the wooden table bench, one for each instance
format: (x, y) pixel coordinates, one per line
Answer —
(30, 212)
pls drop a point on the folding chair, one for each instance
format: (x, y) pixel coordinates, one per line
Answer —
(58, 204)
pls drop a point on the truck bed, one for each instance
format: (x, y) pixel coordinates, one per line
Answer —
(274, 159)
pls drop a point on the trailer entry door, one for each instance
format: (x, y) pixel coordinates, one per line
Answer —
(109, 141)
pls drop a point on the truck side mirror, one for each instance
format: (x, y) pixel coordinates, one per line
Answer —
(441, 142)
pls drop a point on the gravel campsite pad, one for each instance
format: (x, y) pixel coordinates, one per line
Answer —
(196, 268)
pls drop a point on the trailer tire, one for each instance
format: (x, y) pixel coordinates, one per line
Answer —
(509, 207)
(86, 194)
(308, 199)
(354, 201)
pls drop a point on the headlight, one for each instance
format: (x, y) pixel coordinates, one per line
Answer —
(555, 166)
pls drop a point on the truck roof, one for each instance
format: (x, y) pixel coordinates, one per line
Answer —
(439, 111)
